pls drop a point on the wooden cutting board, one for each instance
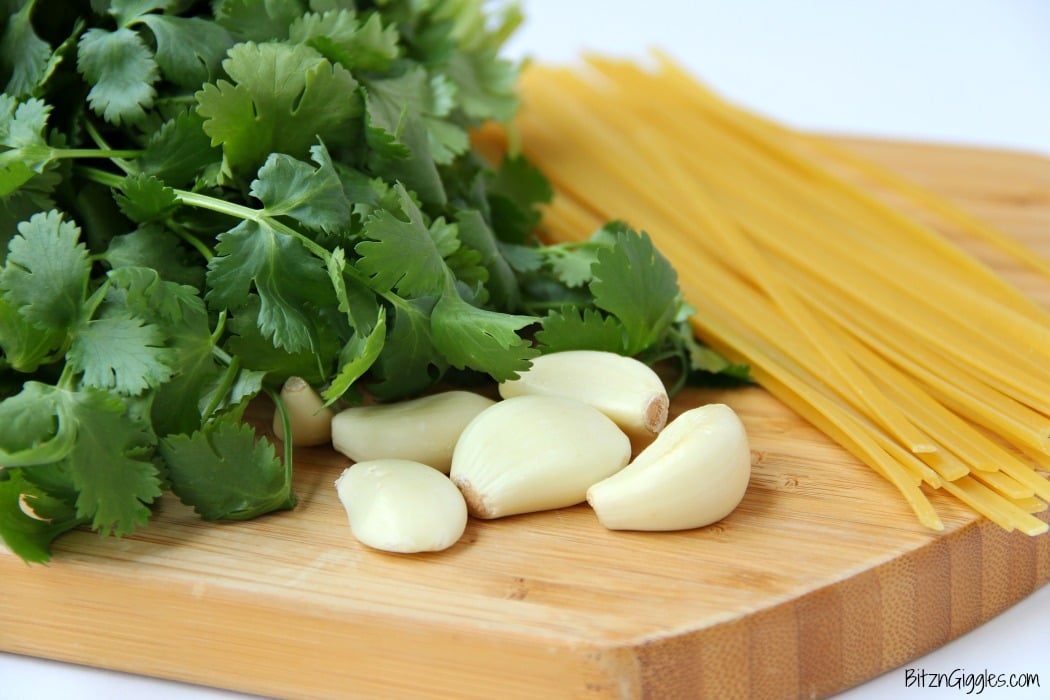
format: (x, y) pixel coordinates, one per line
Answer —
(822, 578)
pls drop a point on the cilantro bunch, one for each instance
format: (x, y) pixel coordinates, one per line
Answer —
(199, 200)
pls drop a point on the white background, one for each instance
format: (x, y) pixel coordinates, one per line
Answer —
(954, 71)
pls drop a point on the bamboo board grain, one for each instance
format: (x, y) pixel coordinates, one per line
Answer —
(822, 578)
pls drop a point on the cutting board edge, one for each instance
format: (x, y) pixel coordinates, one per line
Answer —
(838, 635)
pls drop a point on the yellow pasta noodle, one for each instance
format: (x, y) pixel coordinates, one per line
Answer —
(845, 304)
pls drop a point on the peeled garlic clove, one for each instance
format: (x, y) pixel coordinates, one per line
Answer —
(398, 505)
(694, 473)
(423, 430)
(311, 420)
(625, 389)
(532, 453)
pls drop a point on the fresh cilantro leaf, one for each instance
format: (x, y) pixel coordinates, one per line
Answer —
(227, 473)
(62, 55)
(283, 99)
(705, 361)
(383, 254)
(514, 194)
(373, 47)
(637, 284)
(33, 196)
(24, 152)
(500, 282)
(151, 246)
(573, 265)
(178, 151)
(126, 12)
(401, 148)
(384, 147)
(340, 36)
(410, 361)
(356, 357)
(145, 198)
(179, 312)
(523, 259)
(47, 271)
(355, 300)
(258, 20)
(25, 346)
(413, 96)
(110, 463)
(258, 352)
(121, 71)
(574, 328)
(25, 123)
(121, 353)
(33, 429)
(102, 445)
(312, 196)
(13, 173)
(476, 27)
(480, 339)
(54, 478)
(230, 398)
(486, 84)
(463, 262)
(31, 519)
(447, 140)
(142, 292)
(24, 56)
(337, 25)
(288, 278)
(189, 49)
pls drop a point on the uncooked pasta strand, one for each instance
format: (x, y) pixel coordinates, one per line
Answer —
(945, 209)
(763, 234)
(778, 139)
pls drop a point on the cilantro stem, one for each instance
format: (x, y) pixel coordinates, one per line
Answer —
(220, 328)
(95, 153)
(239, 211)
(286, 424)
(228, 378)
(101, 176)
(113, 180)
(65, 380)
(195, 242)
(103, 147)
(221, 206)
(224, 357)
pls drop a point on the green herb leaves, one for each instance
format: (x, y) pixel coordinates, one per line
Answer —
(227, 473)
(637, 285)
(283, 98)
(88, 448)
(121, 70)
(199, 200)
(46, 273)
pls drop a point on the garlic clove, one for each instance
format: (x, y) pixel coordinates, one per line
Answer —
(625, 389)
(423, 430)
(532, 453)
(310, 419)
(27, 508)
(402, 506)
(694, 473)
